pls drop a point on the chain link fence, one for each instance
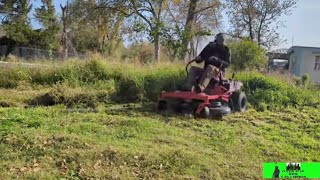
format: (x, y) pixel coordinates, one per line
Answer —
(33, 54)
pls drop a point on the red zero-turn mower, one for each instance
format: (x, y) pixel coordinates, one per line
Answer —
(220, 98)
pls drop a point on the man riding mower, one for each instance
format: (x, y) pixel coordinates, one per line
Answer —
(216, 57)
(207, 93)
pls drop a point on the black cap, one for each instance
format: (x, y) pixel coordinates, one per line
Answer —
(219, 38)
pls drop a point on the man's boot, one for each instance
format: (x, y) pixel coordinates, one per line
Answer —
(198, 88)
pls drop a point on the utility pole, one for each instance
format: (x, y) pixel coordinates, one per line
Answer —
(292, 41)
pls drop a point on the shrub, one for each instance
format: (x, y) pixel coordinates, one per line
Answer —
(297, 80)
(275, 93)
(262, 106)
(143, 51)
(247, 55)
(305, 79)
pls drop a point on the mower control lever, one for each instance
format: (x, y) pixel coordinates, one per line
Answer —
(189, 64)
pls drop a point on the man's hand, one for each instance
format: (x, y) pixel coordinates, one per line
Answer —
(198, 59)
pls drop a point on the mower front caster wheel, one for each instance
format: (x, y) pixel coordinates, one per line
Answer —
(162, 106)
(205, 112)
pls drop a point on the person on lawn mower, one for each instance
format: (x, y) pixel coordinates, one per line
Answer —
(216, 56)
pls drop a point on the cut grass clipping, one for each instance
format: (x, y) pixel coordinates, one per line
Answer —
(51, 143)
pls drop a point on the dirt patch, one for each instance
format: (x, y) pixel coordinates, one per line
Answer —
(71, 101)
(48, 99)
(86, 100)
(6, 104)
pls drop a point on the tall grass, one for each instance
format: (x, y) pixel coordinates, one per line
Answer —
(275, 93)
(132, 83)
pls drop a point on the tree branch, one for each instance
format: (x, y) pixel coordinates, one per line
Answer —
(160, 9)
(115, 9)
(139, 14)
(152, 9)
(8, 12)
(205, 8)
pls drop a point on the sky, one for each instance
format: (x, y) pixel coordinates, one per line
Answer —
(38, 3)
(302, 26)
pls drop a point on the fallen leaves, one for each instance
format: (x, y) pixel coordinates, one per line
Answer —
(63, 166)
(36, 169)
(31, 167)
(98, 164)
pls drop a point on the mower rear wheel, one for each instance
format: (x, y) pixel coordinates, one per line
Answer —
(239, 101)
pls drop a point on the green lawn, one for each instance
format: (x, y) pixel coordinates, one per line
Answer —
(125, 143)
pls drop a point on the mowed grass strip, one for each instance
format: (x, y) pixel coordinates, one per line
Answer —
(52, 142)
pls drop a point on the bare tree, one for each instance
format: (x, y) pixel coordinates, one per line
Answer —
(201, 19)
(150, 11)
(196, 10)
(258, 19)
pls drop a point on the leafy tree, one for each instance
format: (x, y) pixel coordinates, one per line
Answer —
(18, 27)
(96, 26)
(142, 51)
(48, 35)
(16, 22)
(145, 17)
(165, 22)
(151, 11)
(247, 55)
(258, 19)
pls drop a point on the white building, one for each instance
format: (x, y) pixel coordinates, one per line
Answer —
(305, 60)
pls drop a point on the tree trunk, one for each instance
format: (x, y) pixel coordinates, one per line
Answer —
(251, 29)
(156, 49)
(259, 39)
(116, 33)
(64, 37)
(259, 33)
(189, 25)
(197, 45)
(192, 52)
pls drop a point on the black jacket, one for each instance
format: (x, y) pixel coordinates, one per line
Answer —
(213, 49)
